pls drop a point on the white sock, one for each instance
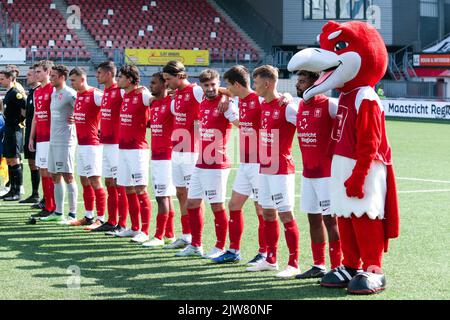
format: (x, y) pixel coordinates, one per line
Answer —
(320, 267)
(187, 237)
(234, 251)
(89, 214)
(72, 191)
(59, 197)
(101, 218)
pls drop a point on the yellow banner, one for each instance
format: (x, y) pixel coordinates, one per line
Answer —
(159, 57)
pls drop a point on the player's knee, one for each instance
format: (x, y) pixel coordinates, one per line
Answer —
(330, 222)
(109, 182)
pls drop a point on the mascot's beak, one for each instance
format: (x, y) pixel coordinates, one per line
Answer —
(335, 69)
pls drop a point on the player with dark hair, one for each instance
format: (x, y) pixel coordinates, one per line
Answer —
(314, 125)
(61, 153)
(134, 152)
(209, 179)
(89, 152)
(161, 125)
(109, 137)
(13, 103)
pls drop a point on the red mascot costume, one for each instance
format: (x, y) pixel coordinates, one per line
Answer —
(352, 59)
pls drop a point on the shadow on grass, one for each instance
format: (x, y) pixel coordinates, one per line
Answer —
(116, 269)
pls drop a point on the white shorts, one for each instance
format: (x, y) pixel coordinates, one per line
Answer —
(374, 190)
(183, 165)
(162, 178)
(61, 159)
(277, 192)
(110, 160)
(133, 167)
(246, 181)
(315, 196)
(209, 184)
(89, 161)
(42, 154)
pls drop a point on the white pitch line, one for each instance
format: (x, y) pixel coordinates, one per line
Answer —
(425, 191)
(423, 180)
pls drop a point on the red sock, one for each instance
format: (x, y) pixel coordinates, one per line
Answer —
(133, 203)
(49, 195)
(370, 239)
(145, 211)
(318, 252)
(262, 235)
(292, 238)
(89, 198)
(221, 224)
(349, 245)
(272, 233)
(169, 233)
(334, 249)
(161, 222)
(236, 225)
(196, 223)
(123, 208)
(113, 199)
(185, 224)
(100, 202)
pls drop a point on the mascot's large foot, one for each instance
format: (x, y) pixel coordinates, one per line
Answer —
(367, 283)
(338, 278)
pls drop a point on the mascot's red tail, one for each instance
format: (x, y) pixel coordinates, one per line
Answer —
(391, 211)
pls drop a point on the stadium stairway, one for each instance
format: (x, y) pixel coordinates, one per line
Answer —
(97, 55)
(242, 32)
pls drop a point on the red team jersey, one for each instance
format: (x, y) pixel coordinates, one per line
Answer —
(133, 120)
(344, 129)
(42, 100)
(314, 124)
(214, 135)
(249, 124)
(87, 117)
(161, 125)
(110, 115)
(186, 112)
(276, 135)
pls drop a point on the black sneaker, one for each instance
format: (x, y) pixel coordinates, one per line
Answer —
(367, 283)
(338, 277)
(30, 200)
(258, 258)
(312, 273)
(114, 231)
(40, 205)
(41, 214)
(13, 197)
(104, 228)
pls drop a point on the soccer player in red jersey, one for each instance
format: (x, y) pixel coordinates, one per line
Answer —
(89, 153)
(109, 137)
(314, 125)
(247, 176)
(134, 152)
(161, 125)
(184, 138)
(209, 180)
(277, 179)
(40, 131)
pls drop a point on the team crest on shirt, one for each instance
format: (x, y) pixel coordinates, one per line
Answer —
(276, 114)
(216, 113)
(135, 100)
(88, 99)
(163, 109)
(252, 105)
(187, 97)
(47, 96)
(317, 113)
(113, 94)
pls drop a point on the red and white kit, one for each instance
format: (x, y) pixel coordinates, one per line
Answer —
(247, 175)
(134, 155)
(87, 121)
(109, 137)
(42, 100)
(213, 166)
(314, 124)
(161, 125)
(277, 179)
(184, 139)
